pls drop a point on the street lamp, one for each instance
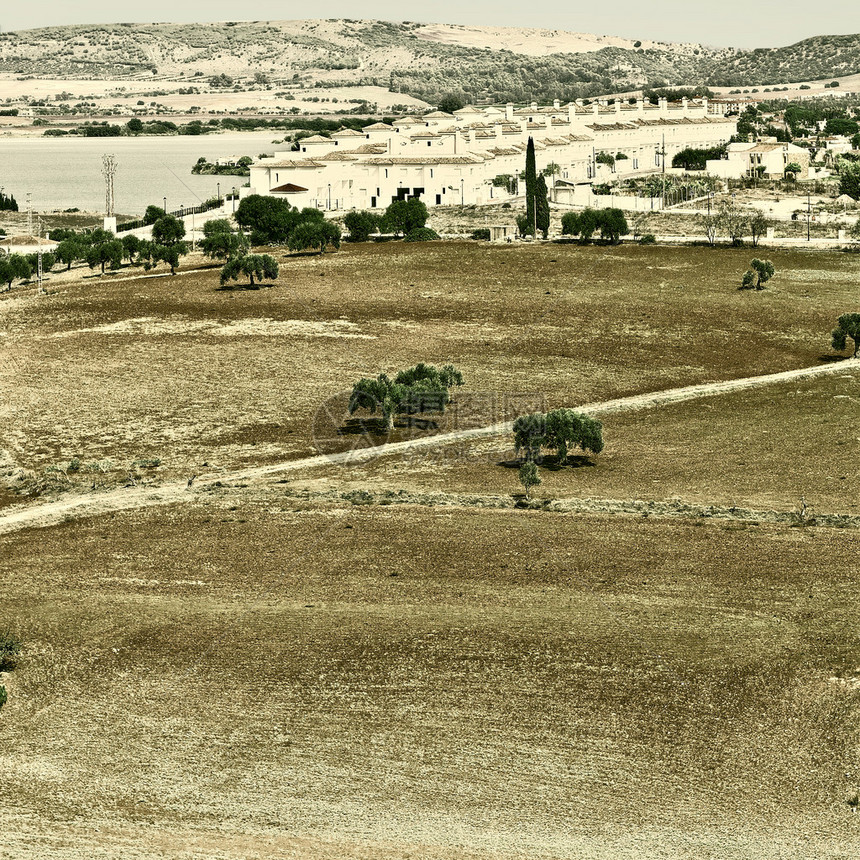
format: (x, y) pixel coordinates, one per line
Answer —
(219, 193)
(329, 195)
(462, 193)
(165, 204)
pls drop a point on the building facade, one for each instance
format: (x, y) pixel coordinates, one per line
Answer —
(474, 155)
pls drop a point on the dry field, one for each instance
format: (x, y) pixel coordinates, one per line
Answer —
(254, 674)
(117, 369)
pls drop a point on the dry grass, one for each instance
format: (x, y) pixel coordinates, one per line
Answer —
(441, 683)
(117, 369)
(251, 674)
(764, 448)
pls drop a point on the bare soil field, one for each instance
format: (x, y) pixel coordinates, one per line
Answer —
(264, 671)
(257, 676)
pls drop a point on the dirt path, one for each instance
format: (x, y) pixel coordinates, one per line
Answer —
(70, 508)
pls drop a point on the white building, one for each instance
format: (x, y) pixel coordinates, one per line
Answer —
(766, 158)
(446, 158)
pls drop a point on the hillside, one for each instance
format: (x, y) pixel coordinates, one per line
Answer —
(484, 63)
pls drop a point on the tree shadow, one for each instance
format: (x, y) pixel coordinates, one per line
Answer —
(551, 462)
(241, 288)
(833, 359)
(363, 427)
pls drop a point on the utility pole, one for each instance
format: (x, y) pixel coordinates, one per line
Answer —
(808, 214)
(40, 288)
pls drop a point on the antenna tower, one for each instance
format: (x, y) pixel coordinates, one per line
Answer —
(109, 171)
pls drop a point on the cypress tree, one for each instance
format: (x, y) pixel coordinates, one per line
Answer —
(542, 206)
(531, 187)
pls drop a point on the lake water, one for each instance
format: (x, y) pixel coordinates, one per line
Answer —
(61, 173)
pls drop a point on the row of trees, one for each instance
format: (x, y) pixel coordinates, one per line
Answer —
(402, 217)
(610, 222)
(8, 203)
(736, 223)
(422, 388)
(101, 248)
(270, 221)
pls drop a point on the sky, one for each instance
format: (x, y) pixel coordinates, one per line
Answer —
(729, 23)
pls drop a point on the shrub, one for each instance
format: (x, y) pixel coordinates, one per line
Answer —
(421, 234)
(3, 696)
(481, 234)
(10, 648)
(648, 239)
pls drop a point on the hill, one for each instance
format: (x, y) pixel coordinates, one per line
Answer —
(483, 63)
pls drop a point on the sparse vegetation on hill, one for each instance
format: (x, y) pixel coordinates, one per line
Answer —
(402, 57)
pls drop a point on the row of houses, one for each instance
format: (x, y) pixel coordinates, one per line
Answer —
(465, 156)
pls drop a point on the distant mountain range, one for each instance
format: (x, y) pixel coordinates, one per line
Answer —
(483, 63)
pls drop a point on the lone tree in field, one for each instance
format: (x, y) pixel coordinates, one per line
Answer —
(758, 274)
(529, 476)
(559, 430)
(263, 266)
(531, 188)
(382, 394)
(422, 388)
(848, 325)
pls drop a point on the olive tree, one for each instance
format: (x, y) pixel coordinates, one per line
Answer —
(758, 224)
(261, 266)
(422, 388)
(382, 394)
(848, 325)
(559, 430)
(221, 241)
(529, 476)
(316, 234)
(758, 274)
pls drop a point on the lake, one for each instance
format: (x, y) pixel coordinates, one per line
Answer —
(61, 173)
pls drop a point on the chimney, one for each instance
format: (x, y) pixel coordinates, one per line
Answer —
(534, 106)
(556, 104)
(684, 104)
(640, 105)
(664, 106)
(571, 112)
(617, 106)
(595, 109)
(705, 105)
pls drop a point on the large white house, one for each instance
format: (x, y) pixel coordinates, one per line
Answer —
(445, 158)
